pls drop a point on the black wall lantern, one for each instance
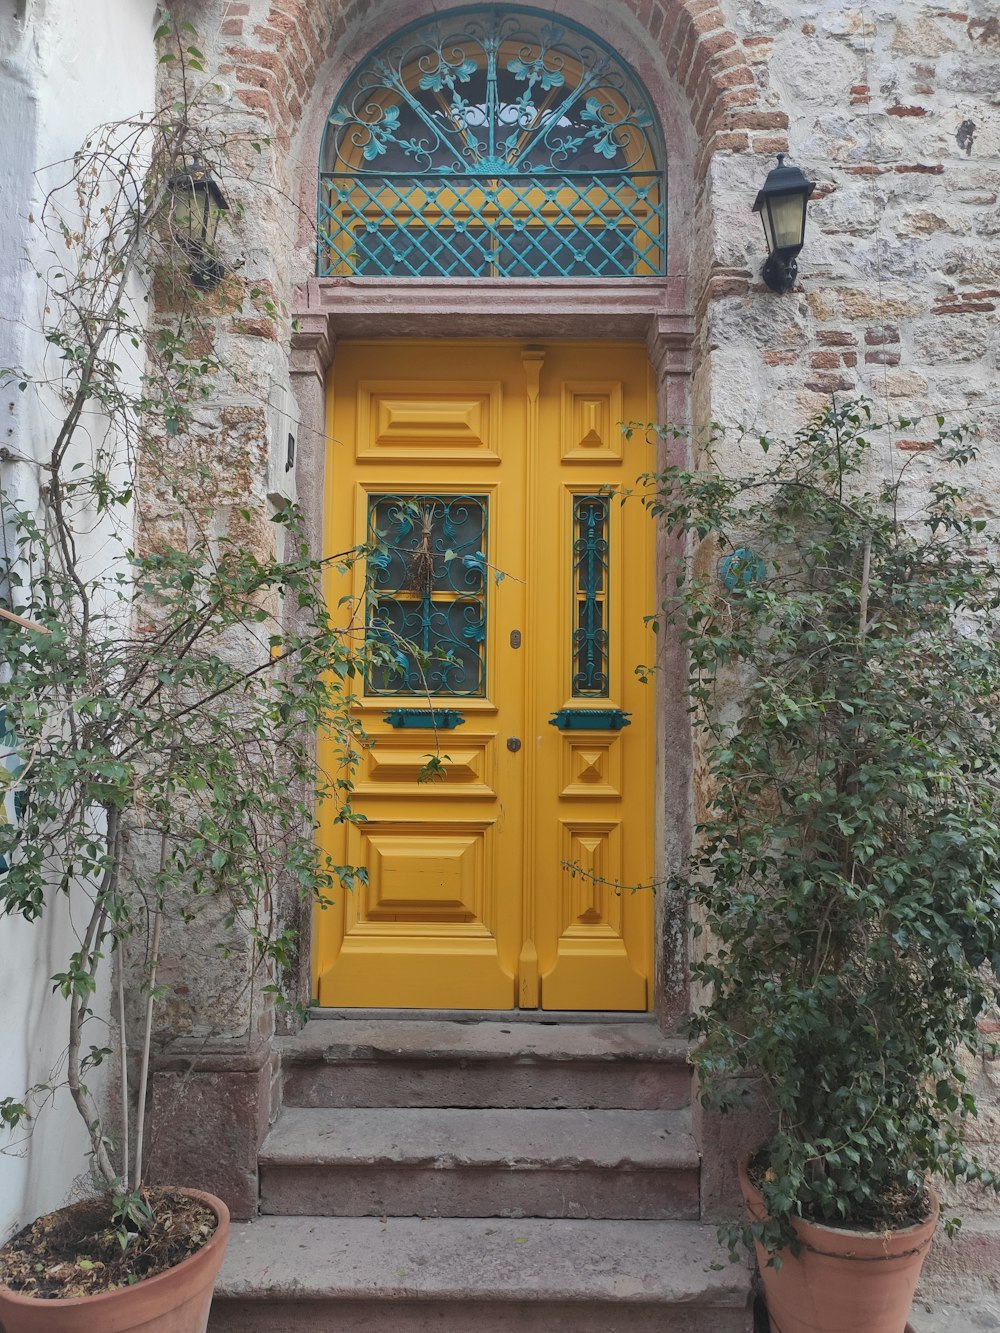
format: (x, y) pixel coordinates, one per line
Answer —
(782, 208)
(198, 205)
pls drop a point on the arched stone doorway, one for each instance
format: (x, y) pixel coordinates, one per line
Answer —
(285, 68)
(377, 293)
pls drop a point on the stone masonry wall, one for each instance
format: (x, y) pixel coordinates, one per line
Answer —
(894, 110)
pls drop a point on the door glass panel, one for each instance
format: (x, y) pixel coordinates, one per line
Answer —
(426, 604)
(590, 591)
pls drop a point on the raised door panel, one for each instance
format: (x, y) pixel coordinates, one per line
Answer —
(429, 420)
(396, 765)
(590, 427)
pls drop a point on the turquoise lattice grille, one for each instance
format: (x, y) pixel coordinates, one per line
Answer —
(501, 145)
(427, 585)
(591, 551)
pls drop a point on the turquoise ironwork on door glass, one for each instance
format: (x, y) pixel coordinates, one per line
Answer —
(493, 142)
(591, 514)
(427, 585)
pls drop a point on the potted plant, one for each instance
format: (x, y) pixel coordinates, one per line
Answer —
(167, 662)
(838, 606)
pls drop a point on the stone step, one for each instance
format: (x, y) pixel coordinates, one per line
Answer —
(360, 1275)
(415, 1062)
(480, 1163)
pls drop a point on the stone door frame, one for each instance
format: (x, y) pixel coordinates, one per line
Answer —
(650, 310)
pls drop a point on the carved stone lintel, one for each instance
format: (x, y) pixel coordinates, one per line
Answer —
(492, 307)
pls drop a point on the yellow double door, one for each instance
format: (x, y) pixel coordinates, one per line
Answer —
(503, 601)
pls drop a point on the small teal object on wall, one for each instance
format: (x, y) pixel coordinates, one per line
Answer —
(741, 568)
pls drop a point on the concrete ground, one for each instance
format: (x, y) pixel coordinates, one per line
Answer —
(959, 1288)
(940, 1317)
(955, 1316)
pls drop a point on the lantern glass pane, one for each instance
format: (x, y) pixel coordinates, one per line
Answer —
(787, 214)
(209, 220)
(185, 211)
(765, 217)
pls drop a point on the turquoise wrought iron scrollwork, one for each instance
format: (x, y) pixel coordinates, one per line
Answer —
(427, 585)
(590, 588)
(503, 144)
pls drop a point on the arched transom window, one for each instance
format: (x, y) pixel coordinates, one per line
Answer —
(492, 142)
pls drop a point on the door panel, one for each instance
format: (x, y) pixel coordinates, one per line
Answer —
(594, 785)
(507, 598)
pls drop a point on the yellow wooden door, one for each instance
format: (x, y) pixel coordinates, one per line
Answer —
(505, 596)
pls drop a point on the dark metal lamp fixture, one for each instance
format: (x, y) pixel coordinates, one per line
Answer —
(198, 205)
(781, 204)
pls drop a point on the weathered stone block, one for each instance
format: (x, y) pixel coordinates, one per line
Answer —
(209, 1114)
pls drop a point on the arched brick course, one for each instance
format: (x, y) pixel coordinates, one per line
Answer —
(275, 63)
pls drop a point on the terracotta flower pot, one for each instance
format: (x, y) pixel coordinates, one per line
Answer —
(842, 1281)
(176, 1301)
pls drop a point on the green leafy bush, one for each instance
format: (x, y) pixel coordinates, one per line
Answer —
(166, 657)
(845, 887)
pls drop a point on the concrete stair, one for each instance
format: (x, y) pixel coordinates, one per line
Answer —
(415, 1062)
(304, 1274)
(451, 1175)
(480, 1163)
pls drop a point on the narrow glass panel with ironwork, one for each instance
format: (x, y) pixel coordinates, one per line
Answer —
(500, 143)
(591, 514)
(426, 601)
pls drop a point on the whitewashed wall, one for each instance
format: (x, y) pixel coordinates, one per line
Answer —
(66, 66)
